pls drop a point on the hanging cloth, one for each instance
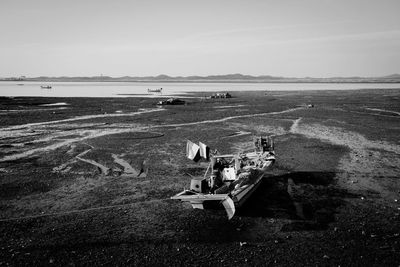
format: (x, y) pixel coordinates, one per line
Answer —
(192, 151)
(204, 151)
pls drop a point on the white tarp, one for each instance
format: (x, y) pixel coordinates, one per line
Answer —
(192, 151)
(204, 151)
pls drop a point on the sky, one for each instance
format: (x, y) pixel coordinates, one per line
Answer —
(290, 38)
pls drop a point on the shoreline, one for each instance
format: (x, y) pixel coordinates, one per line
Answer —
(204, 93)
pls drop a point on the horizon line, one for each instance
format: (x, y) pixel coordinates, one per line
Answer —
(200, 76)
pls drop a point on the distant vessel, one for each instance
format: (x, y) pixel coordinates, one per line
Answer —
(45, 86)
(158, 90)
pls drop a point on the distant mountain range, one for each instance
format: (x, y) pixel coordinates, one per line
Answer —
(394, 78)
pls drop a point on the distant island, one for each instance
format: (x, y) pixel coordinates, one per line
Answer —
(236, 78)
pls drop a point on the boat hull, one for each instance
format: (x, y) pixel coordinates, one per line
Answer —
(232, 181)
(218, 201)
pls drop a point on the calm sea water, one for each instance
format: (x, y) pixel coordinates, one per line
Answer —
(124, 89)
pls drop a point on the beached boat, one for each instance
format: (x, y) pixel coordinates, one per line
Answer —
(45, 86)
(232, 179)
(158, 90)
(221, 95)
(171, 101)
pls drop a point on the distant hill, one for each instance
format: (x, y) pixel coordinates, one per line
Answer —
(393, 78)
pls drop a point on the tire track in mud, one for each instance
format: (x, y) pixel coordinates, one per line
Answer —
(104, 170)
(228, 118)
(340, 136)
(295, 125)
(374, 114)
(8, 111)
(31, 129)
(109, 131)
(76, 211)
(78, 118)
(363, 162)
(65, 166)
(237, 134)
(385, 110)
(93, 134)
(128, 169)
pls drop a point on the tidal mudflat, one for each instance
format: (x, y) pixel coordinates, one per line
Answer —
(89, 180)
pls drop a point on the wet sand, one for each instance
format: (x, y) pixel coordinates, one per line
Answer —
(90, 182)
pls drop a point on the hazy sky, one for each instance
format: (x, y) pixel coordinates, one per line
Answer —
(296, 38)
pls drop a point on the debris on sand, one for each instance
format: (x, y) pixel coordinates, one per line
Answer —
(171, 101)
(220, 95)
(242, 244)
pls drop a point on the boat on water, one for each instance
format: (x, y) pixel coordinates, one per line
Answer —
(45, 86)
(229, 179)
(158, 90)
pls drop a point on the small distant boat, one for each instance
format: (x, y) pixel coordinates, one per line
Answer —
(158, 90)
(20, 84)
(45, 86)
